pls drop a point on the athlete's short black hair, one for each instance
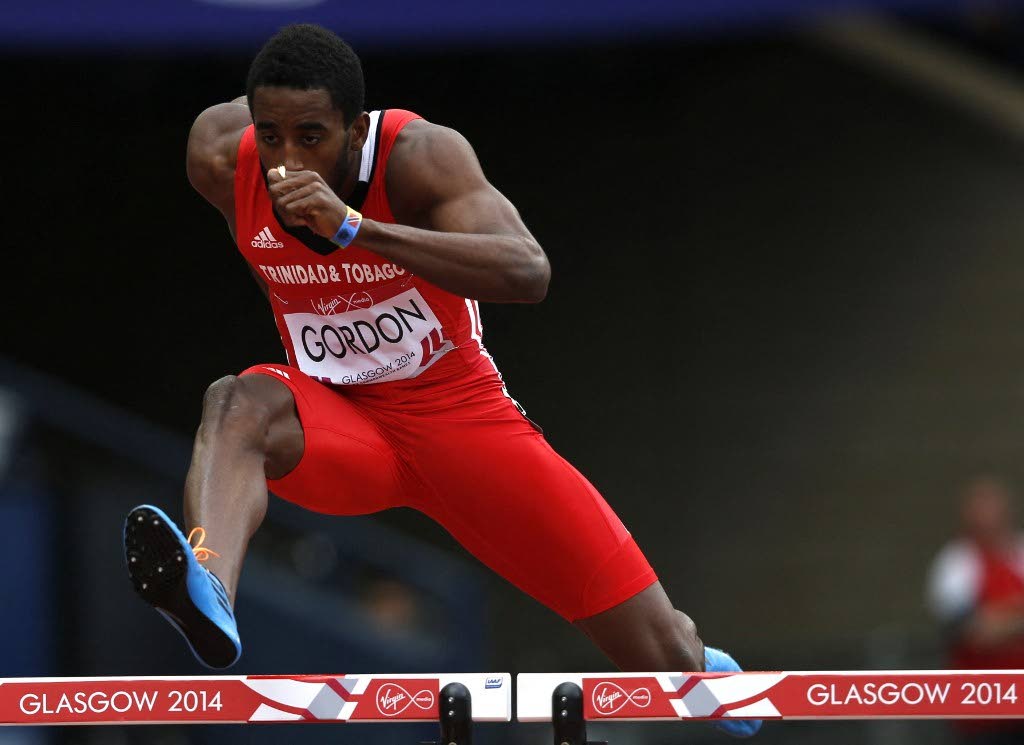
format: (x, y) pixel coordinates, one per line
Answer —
(306, 56)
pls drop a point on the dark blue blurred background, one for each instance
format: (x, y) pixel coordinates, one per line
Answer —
(240, 24)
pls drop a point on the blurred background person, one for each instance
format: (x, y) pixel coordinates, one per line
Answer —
(976, 590)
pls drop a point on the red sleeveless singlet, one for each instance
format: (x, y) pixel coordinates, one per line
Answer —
(348, 316)
(423, 419)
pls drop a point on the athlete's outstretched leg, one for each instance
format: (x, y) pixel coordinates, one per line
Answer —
(249, 432)
(646, 634)
(524, 511)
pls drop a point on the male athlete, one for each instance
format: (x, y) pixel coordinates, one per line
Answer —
(374, 236)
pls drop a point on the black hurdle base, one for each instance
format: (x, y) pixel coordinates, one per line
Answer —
(567, 716)
(455, 713)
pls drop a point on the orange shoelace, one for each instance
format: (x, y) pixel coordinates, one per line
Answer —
(202, 552)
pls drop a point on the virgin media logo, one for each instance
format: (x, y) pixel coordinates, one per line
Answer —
(392, 700)
(609, 698)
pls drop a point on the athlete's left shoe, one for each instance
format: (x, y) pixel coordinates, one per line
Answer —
(164, 567)
(717, 661)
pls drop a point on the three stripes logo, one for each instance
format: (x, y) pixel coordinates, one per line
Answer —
(433, 345)
(266, 239)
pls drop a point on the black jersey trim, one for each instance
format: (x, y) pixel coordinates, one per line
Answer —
(358, 195)
(376, 145)
(313, 241)
(362, 190)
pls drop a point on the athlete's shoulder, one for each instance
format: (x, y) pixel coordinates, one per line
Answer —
(419, 138)
(213, 151)
(428, 163)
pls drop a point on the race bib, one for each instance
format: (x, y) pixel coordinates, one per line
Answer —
(349, 340)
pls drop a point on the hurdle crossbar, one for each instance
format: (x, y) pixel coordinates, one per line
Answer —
(875, 694)
(248, 698)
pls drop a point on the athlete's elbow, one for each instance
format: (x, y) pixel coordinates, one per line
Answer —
(534, 277)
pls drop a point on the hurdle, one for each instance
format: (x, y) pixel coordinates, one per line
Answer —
(570, 700)
(455, 701)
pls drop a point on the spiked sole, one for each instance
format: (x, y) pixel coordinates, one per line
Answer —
(159, 569)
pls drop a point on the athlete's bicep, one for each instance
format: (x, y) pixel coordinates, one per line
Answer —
(481, 210)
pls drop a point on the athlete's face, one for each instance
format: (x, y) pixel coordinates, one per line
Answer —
(302, 130)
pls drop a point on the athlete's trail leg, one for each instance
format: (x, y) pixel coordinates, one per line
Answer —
(249, 432)
(645, 633)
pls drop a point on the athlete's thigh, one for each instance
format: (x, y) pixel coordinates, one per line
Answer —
(500, 489)
(347, 466)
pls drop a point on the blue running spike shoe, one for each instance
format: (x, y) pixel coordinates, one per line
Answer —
(717, 661)
(166, 572)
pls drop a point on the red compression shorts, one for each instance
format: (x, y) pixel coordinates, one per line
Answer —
(463, 454)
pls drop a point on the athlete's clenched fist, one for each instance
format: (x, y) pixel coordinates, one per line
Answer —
(304, 198)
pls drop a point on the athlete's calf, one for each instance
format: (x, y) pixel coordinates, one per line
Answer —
(249, 432)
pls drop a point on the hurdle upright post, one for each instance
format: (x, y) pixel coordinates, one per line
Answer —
(570, 728)
(455, 715)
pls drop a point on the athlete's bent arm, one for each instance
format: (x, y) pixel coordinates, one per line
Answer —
(463, 229)
(212, 153)
(457, 231)
(211, 157)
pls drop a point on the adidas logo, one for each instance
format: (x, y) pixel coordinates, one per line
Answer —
(265, 239)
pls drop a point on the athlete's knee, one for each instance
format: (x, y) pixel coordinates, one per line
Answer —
(232, 409)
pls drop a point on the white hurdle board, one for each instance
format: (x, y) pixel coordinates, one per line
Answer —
(247, 698)
(870, 694)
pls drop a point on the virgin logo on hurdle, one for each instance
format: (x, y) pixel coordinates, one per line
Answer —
(392, 700)
(609, 698)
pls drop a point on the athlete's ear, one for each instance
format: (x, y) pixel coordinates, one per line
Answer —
(360, 130)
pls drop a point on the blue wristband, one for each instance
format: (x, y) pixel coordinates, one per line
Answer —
(349, 227)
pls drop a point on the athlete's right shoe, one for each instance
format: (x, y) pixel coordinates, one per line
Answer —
(717, 661)
(165, 570)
